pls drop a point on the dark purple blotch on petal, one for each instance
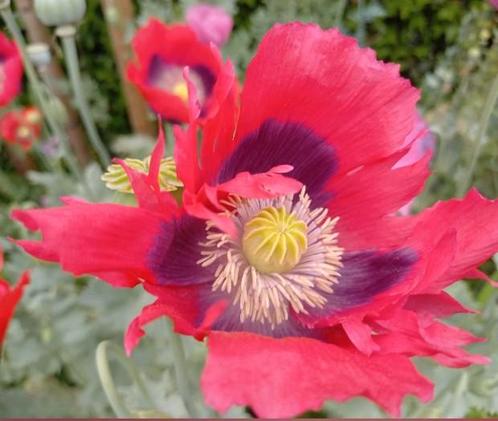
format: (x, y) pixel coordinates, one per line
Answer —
(229, 321)
(277, 143)
(176, 251)
(364, 275)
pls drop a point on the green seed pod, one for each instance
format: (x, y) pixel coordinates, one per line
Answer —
(57, 12)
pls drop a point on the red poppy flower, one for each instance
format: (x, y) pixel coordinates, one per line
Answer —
(287, 252)
(162, 51)
(21, 126)
(9, 297)
(10, 70)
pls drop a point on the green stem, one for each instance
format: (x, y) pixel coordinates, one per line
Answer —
(35, 84)
(67, 33)
(489, 106)
(181, 372)
(361, 24)
(106, 379)
(339, 12)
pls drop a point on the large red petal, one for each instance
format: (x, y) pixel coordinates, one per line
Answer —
(326, 82)
(364, 197)
(94, 239)
(286, 377)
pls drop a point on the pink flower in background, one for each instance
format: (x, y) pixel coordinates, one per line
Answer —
(210, 23)
(494, 3)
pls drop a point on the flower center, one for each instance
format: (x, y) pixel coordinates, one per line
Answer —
(180, 90)
(23, 132)
(285, 259)
(274, 240)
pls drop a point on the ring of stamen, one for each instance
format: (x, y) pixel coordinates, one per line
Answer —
(266, 280)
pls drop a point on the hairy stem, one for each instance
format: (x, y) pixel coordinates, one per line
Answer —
(67, 33)
(181, 373)
(106, 379)
(487, 111)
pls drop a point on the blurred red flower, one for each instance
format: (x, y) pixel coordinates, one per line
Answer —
(10, 70)
(21, 126)
(162, 51)
(287, 252)
(9, 297)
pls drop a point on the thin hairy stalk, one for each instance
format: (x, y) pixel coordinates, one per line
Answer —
(339, 12)
(181, 373)
(487, 111)
(66, 34)
(107, 381)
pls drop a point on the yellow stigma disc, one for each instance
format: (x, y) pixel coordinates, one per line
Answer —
(181, 91)
(274, 240)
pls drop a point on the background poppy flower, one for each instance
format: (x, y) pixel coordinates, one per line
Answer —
(9, 297)
(286, 252)
(162, 52)
(10, 70)
(21, 126)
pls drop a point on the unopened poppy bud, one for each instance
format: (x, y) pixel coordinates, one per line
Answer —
(58, 13)
(116, 178)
